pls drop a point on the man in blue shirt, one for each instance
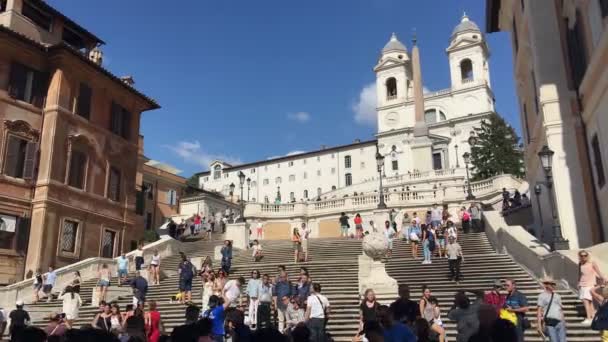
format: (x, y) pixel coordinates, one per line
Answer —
(49, 282)
(217, 313)
(393, 331)
(282, 287)
(518, 303)
(123, 269)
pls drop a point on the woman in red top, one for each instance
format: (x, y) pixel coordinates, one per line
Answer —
(359, 226)
(153, 322)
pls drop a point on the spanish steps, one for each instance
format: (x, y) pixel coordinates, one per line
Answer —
(333, 263)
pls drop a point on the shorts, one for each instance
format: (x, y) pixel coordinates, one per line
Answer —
(359, 227)
(122, 273)
(436, 223)
(305, 245)
(185, 285)
(441, 243)
(103, 282)
(414, 237)
(344, 229)
(584, 293)
(297, 246)
(47, 288)
(390, 244)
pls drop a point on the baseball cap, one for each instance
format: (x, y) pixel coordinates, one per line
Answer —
(19, 303)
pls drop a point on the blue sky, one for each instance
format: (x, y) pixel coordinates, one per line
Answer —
(246, 80)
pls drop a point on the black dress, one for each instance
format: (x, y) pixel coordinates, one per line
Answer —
(368, 314)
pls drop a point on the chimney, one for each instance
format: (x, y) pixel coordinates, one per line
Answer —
(323, 147)
(96, 56)
(128, 80)
(357, 141)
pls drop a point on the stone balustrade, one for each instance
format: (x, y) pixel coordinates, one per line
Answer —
(88, 269)
(396, 198)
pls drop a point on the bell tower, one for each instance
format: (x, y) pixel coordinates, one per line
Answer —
(393, 85)
(468, 54)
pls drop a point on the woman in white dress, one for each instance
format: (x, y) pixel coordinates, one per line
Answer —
(208, 279)
(71, 304)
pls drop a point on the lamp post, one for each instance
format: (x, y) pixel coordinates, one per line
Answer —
(232, 192)
(380, 164)
(546, 160)
(537, 191)
(467, 158)
(248, 187)
(242, 202)
(457, 162)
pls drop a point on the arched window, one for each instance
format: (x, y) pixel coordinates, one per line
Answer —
(305, 193)
(433, 115)
(217, 171)
(319, 192)
(292, 197)
(391, 88)
(349, 179)
(333, 187)
(466, 70)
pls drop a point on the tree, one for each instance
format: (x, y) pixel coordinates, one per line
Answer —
(193, 181)
(496, 150)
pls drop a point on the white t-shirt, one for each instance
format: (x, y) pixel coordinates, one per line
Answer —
(256, 248)
(138, 253)
(232, 290)
(314, 303)
(304, 233)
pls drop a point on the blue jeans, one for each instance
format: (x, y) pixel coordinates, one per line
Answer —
(436, 223)
(556, 333)
(317, 329)
(426, 250)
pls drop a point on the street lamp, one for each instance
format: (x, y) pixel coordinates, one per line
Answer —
(242, 204)
(537, 191)
(231, 191)
(248, 187)
(457, 162)
(546, 160)
(467, 158)
(380, 164)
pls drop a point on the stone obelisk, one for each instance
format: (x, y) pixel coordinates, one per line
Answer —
(422, 144)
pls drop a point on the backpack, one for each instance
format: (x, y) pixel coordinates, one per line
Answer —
(600, 321)
(187, 271)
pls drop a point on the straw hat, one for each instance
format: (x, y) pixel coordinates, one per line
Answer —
(548, 280)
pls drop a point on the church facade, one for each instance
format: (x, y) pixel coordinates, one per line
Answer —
(417, 131)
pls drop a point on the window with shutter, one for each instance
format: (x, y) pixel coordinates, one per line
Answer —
(77, 172)
(576, 51)
(120, 122)
(604, 8)
(68, 236)
(83, 107)
(8, 227)
(28, 85)
(29, 164)
(114, 184)
(14, 162)
(597, 162)
(23, 234)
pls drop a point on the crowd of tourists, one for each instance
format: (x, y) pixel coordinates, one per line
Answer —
(517, 200)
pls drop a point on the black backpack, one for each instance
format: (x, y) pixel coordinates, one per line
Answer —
(600, 321)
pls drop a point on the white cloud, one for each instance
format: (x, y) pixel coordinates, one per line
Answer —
(191, 152)
(425, 90)
(300, 117)
(365, 106)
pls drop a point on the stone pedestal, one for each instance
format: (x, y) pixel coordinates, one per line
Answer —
(239, 234)
(372, 272)
(380, 216)
(422, 153)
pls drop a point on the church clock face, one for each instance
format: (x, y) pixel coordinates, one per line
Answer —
(391, 119)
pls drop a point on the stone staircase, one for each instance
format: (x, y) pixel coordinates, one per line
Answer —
(333, 263)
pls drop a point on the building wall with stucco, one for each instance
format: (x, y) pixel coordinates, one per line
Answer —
(552, 41)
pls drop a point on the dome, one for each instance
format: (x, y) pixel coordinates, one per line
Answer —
(465, 25)
(394, 45)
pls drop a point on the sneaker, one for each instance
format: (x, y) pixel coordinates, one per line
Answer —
(586, 322)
